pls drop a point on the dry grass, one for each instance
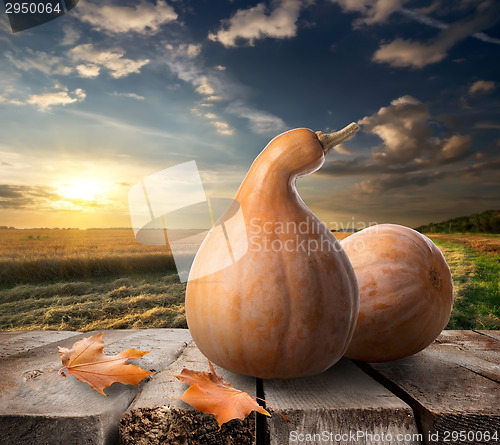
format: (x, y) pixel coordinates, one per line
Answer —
(73, 280)
(151, 301)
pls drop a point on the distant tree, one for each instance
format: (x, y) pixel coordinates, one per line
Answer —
(485, 222)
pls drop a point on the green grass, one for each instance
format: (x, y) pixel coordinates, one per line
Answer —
(476, 286)
(88, 292)
(147, 301)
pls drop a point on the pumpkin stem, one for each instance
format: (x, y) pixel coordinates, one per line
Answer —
(330, 140)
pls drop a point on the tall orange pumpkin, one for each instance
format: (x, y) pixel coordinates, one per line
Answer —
(287, 306)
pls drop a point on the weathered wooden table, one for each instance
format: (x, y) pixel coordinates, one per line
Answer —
(446, 394)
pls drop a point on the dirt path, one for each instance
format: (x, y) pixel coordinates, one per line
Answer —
(476, 242)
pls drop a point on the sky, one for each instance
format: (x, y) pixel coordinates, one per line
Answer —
(110, 93)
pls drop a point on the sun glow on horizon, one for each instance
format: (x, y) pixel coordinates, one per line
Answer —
(82, 189)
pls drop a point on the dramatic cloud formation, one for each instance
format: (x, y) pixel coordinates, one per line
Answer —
(411, 153)
(249, 25)
(111, 59)
(144, 18)
(405, 129)
(414, 54)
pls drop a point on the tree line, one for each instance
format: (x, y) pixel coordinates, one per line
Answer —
(486, 222)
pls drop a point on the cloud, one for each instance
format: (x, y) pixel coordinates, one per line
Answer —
(188, 50)
(11, 159)
(122, 125)
(39, 197)
(342, 149)
(223, 128)
(260, 122)
(144, 18)
(129, 95)
(488, 125)
(482, 87)
(45, 101)
(214, 86)
(403, 128)
(184, 65)
(475, 169)
(411, 152)
(407, 53)
(40, 61)
(111, 59)
(70, 36)
(249, 25)
(25, 196)
(438, 24)
(88, 71)
(205, 88)
(383, 183)
(414, 54)
(374, 11)
(93, 60)
(10, 100)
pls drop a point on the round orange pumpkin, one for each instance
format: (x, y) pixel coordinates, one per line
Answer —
(405, 288)
(285, 307)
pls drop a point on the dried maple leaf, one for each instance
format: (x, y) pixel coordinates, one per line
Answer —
(87, 362)
(209, 393)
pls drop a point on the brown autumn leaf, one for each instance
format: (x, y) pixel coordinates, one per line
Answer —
(209, 393)
(87, 362)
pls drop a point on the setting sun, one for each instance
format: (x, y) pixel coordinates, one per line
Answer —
(81, 189)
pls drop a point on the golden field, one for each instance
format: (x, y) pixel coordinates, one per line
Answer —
(31, 255)
(104, 279)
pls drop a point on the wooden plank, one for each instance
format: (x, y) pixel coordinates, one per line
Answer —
(472, 350)
(340, 405)
(157, 416)
(493, 334)
(15, 342)
(452, 386)
(38, 406)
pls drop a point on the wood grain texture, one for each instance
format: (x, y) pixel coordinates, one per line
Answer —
(16, 342)
(452, 385)
(342, 400)
(157, 416)
(39, 406)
